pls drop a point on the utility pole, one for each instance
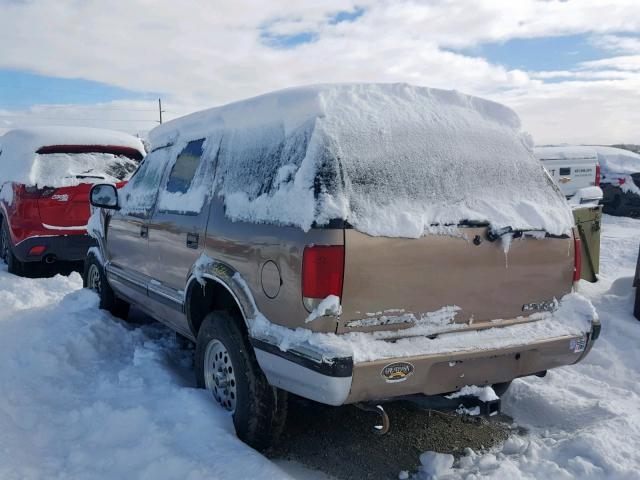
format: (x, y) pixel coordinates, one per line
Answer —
(160, 109)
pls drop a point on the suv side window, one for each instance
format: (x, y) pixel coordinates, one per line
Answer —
(185, 167)
(188, 182)
(140, 193)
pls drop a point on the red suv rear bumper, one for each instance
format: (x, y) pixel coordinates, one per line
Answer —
(56, 247)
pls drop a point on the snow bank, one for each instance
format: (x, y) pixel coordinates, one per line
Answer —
(84, 396)
(20, 163)
(391, 159)
(582, 421)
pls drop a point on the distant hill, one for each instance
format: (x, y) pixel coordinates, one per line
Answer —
(628, 146)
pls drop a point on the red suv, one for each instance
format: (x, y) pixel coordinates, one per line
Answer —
(45, 178)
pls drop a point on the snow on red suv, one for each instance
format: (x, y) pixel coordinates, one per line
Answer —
(45, 177)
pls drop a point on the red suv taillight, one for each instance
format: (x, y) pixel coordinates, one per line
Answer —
(577, 246)
(322, 271)
(597, 184)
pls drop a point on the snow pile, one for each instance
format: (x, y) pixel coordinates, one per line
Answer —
(83, 395)
(484, 394)
(328, 306)
(391, 159)
(617, 161)
(434, 465)
(572, 318)
(20, 163)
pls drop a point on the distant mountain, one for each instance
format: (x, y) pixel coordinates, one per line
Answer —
(628, 146)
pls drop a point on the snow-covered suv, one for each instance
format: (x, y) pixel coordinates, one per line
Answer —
(45, 177)
(346, 243)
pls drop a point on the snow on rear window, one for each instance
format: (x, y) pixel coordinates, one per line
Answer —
(392, 160)
(65, 169)
(20, 161)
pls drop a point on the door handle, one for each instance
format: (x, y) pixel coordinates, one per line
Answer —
(192, 240)
(144, 231)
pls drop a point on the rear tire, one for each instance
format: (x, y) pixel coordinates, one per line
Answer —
(14, 266)
(95, 279)
(226, 365)
(636, 304)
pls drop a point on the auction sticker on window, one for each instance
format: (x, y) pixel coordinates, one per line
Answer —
(397, 372)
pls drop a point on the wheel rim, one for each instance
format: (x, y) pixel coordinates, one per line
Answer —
(219, 375)
(93, 278)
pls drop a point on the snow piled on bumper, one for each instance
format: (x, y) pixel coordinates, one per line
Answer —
(574, 318)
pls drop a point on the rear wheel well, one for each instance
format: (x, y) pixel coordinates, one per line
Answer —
(204, 299)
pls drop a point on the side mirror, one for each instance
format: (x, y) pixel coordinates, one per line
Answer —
(104, 195)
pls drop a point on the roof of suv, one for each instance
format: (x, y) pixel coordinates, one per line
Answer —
(391, 159)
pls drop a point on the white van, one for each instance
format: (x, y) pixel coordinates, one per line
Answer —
(575, 169)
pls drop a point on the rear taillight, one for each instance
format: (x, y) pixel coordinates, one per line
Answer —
(622, 181)
(577, 266)
(597, 183)
(36, 251)
(322, 271)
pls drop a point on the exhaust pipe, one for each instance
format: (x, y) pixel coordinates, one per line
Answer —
(49, 259)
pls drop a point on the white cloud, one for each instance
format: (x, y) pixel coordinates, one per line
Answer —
(202, 53)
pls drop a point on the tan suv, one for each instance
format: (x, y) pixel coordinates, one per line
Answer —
(346, 243)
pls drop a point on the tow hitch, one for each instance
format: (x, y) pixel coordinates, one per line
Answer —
(462, 404)
(382, 426)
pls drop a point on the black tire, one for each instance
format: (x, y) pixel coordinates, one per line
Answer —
(636, 305)
(501, 388)
(95, 279)
(14, 265)
(259, 410)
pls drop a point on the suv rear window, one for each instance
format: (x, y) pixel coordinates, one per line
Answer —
(86, 167)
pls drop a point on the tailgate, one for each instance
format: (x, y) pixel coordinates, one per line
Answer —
(66, 207)
(392, 283)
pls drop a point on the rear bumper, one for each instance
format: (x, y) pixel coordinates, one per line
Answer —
(62, 247)
(337, 380)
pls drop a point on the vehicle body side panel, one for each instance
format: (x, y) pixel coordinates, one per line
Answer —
(248, 246)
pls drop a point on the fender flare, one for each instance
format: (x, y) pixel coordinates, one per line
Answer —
(226, 276)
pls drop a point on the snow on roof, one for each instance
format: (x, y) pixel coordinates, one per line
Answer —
(18, 148)
(617, 160)
(564, 152)
(391, 159)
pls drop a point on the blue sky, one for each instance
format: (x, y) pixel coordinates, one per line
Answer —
(541, 54)
(575, 59)
(20, 89)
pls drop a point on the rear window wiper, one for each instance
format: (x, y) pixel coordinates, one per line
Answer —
(90, 176)
(493, 235)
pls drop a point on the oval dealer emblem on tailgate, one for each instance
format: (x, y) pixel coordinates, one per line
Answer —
(397, 372)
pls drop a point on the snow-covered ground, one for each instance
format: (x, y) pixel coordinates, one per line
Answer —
(85, 396)
(583, 420)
